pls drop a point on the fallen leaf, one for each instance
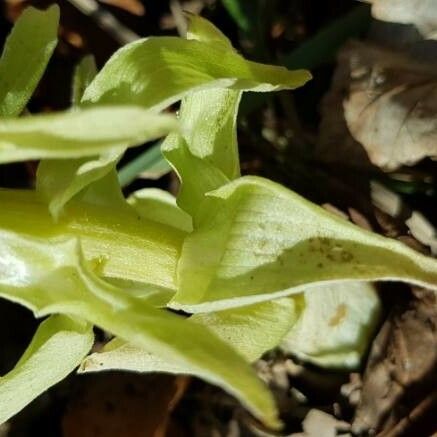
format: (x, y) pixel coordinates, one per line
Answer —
(391, 107)
(421, 13)
(399, 381)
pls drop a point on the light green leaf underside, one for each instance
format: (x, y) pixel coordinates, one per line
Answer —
(25, 56)
(160, 206)
(84, 74)
(336, 324)
(82, 133)
(58, 347)
(179, 66)
(259, 240)
(251, 330)
(49, 276)
(120, 242)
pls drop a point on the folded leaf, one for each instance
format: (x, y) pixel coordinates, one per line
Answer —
(208, 144)
(59, 345)
(25, 56)
(48, 275)
(336, 324)
(259, 240)
(158, 71)
(80, 133)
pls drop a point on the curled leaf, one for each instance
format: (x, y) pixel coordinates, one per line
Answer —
(259, 241)
(181, 66)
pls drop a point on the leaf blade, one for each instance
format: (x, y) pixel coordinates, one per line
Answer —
(26, 54)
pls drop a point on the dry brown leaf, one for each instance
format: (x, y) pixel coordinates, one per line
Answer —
(391, 108)
(399, 381)
(125, 405)
(421, 13)
(135, 7)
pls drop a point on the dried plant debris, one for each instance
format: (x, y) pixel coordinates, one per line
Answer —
(399, 382)
(421, 13)
(335, 144)
(128, 405)
(390, 107)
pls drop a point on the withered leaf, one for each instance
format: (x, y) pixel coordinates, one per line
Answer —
(401, 372)
(421, 13)
(392, 105)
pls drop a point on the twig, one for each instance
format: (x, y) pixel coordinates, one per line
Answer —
(105, 20)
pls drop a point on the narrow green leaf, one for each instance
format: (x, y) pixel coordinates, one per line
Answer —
(80, 133)
(346, 313)
(84, 74)
(59, 345)
(259, 240)
(48, 275)
(150, 164)
(25, 57)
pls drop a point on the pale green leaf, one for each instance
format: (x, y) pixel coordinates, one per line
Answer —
(81, 133)
(258, 241)
(48, 275)
(160, 206)
(336, 324)
(121, 243)
(59, 180)
(205, 155)
(251, 330)
(84, 74)
(158, 71)
(203, 30)
(59, 345)
(25, 56)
